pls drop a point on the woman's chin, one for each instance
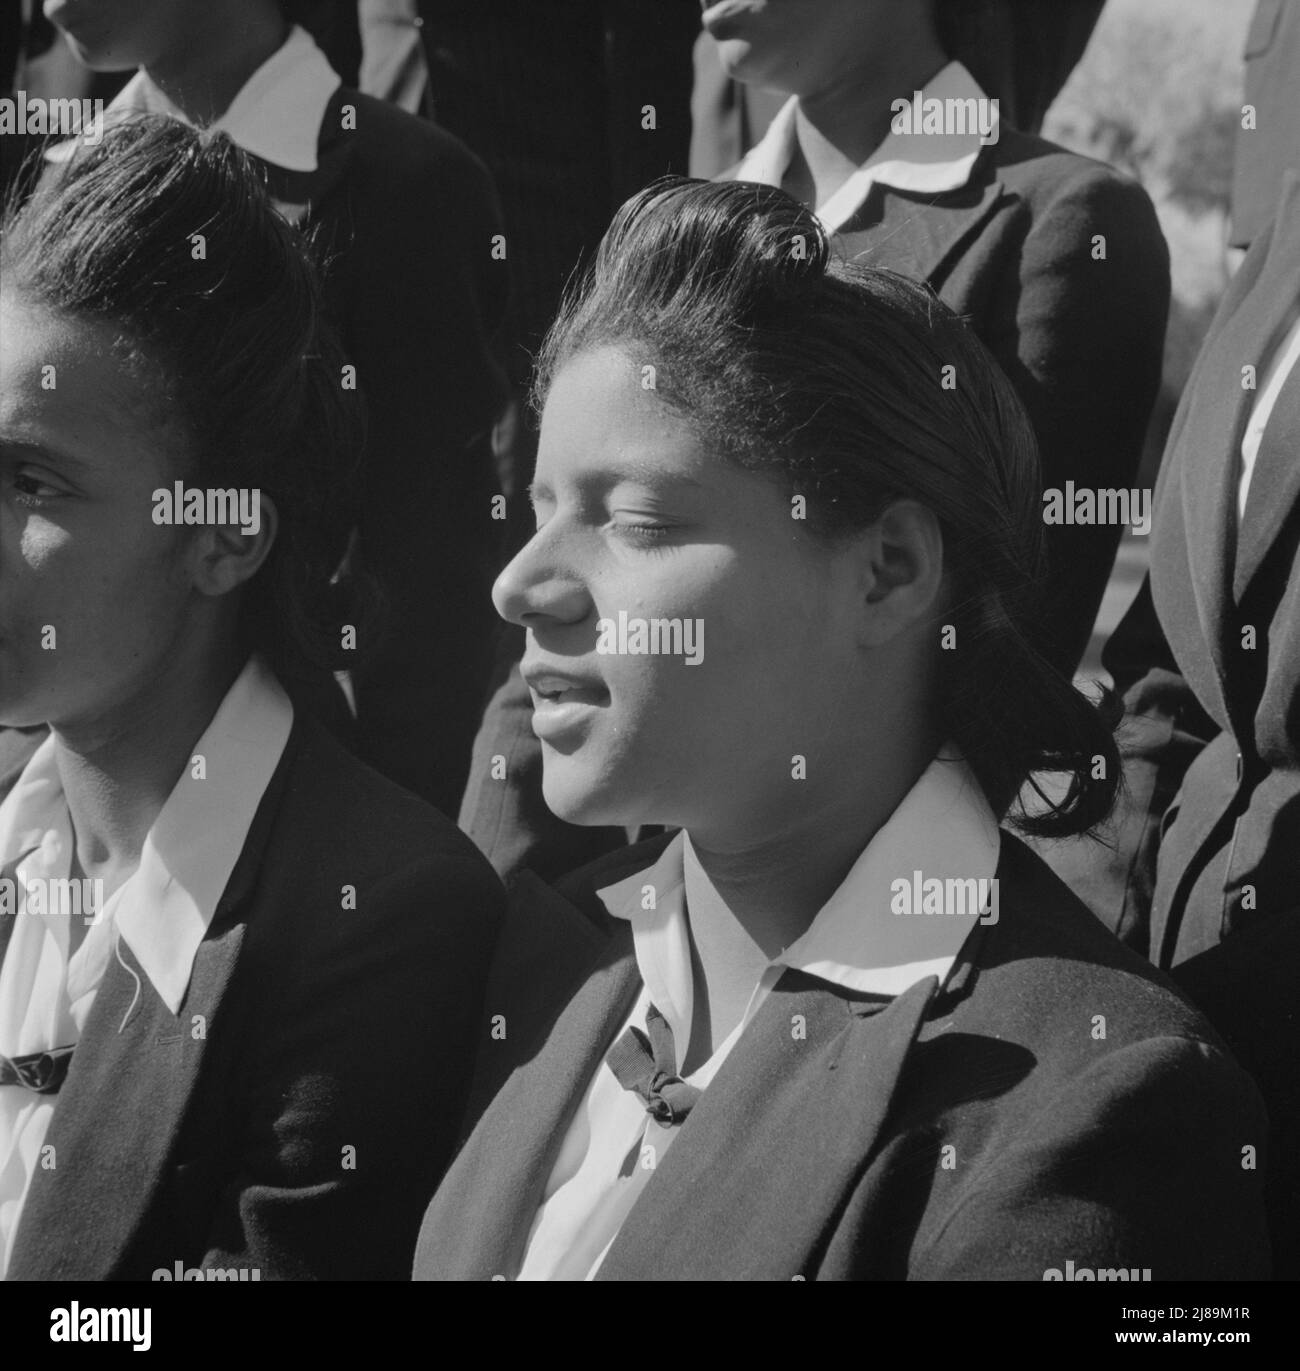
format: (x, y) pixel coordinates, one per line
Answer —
(579, 801)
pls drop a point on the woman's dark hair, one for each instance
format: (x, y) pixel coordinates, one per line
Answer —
(167, 234)
(830, 376)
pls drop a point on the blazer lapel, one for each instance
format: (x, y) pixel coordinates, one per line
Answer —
(917, 235)
(299, 194)
(790, 1118)
(1275, 481)
(477, 1223)
(119, 1111)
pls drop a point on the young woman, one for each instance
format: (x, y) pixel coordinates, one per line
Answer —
(838, 1025)
(238, 1050)
(408, 234)
(1056, 261)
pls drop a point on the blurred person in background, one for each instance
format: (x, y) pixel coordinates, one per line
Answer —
(1202, 871)
(1019, 51)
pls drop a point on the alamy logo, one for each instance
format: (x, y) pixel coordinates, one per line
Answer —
(194, 506)
(54, 897)
(76, 1324)
(1086, 505)
(82, 119)
(954, 895)
(929, 114)
(633, 637)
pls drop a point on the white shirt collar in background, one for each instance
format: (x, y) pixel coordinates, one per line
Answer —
(276, 115)
(923, 163)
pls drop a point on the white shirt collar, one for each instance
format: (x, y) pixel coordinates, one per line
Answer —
(276, 115)
(943, 829)
(163, 910)
(925, 163)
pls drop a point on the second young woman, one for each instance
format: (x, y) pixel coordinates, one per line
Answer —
(838, 1025)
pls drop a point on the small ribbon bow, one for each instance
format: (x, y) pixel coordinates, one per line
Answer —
(647, 1064)
(42, 1072)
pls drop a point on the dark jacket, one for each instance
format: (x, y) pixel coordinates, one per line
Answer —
(297, 1113)
(1055, 1103)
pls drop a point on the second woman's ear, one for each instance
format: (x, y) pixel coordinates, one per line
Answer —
(902, 571)
(228, 555)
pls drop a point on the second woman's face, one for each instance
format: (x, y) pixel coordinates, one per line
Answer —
(92, 591)
(691, 648)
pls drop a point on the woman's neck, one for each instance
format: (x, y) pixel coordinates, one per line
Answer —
(118, 771)
(204, 74)
(841, 123)
(749, 900)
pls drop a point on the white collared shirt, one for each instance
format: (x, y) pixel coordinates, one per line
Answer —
(1276, 375)
(276, 115)
(161, 912)
(923, 163)
(943, 828)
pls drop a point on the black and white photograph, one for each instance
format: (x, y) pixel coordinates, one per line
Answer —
(649, 640)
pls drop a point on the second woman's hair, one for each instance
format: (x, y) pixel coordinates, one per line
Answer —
(167, 234)
(854, 387)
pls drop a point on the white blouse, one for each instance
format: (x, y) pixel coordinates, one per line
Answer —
(943, 828)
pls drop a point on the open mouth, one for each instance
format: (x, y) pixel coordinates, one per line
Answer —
(552, 690)
(564, 708)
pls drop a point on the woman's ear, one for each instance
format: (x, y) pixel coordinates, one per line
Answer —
(902, 571)
(230, 554)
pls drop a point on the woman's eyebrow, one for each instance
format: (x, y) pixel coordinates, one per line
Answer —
(18, 447)
(644, 473)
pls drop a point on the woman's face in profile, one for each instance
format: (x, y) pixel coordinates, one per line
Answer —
(689, 640)
(92, 591)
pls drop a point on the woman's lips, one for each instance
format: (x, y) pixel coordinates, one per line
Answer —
(561, 704)
(561, 715)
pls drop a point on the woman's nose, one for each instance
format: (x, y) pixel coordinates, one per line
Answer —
(537, 585)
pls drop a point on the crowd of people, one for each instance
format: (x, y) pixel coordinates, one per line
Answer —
(430, 922)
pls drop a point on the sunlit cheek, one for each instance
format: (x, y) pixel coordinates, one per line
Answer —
(43, 544)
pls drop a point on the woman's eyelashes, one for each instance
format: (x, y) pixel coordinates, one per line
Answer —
(641, 531)
(33, 488)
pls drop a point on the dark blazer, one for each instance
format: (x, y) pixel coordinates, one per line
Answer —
(828, 1157)
(1081, 339)
(297, 1113)
(403, 218)
(1208, 850)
